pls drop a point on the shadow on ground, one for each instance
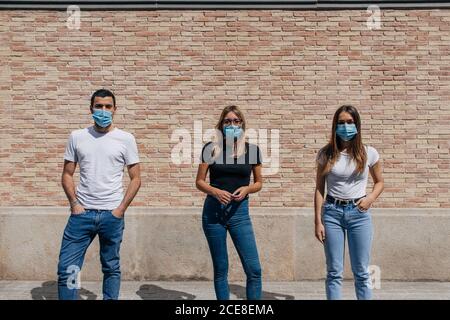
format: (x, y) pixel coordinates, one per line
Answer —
(49, 291)
(153, 292)
(239, 291)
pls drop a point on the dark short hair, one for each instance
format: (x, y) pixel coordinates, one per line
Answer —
(102, 93)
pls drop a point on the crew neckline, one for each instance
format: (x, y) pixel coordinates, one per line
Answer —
(102, 133)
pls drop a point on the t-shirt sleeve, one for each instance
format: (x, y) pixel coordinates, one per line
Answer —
(71, 152)
(206, 154)
(254, 154)
(259, 159)
(372, 156)
(131, 152)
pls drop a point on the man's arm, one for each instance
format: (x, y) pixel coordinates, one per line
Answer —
(69, 186)
(134, 171)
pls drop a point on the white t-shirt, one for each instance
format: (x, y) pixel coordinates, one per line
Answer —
(343, 182)
(102, 158)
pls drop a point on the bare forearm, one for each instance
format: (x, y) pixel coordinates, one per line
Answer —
(376, 191)
(69, 187)
(206, 188)
(255, 187)
(318, 202)
(131, 192)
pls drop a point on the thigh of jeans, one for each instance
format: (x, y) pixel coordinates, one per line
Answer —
(213, 224)
(111, 228)
(360, 228)
(240, 223)
(360, 219)
(239, 211)
(78, 235)
(79, 226)
(331, 214)
(211, 211)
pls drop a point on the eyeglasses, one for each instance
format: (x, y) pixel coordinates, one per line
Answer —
(234, 121)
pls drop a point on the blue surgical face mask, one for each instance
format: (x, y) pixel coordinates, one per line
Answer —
(346, 131)
(102, 118)
(232, 131)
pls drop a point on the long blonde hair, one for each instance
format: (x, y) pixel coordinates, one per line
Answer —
(219, 137)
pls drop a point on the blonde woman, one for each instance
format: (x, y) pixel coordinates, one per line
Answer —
(230, 161)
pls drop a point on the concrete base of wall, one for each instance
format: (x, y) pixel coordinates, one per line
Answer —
(169, 244)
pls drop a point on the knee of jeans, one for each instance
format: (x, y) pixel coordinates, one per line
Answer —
(111, 267)
(65, 269)
(361, 274)
(334, 274)
(220, 276)
(254, 271)
(108, 270)
(62, 276)
(61, 272)
(221, 271)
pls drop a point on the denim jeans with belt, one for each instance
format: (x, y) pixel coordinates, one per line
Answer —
(235, 218)
(341, 221)
(80, 230)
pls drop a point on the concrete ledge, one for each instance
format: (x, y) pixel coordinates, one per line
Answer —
(168, 244)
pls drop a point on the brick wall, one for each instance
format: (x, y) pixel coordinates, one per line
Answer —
(289, 70)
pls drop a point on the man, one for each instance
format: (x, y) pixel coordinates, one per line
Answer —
(98, 206)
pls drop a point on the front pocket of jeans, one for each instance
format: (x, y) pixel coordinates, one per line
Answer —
(110, 212)
(328, 205)
(327, 208)
(361, 211)
(78, 214)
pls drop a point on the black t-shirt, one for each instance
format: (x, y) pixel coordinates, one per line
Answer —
(230, 173)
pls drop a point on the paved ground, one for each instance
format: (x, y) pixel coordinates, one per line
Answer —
(204, 290)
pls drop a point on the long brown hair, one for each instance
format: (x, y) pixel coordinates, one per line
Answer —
(218, 141)
(329, 154)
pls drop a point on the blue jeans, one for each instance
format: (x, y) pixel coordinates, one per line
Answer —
(235, 218)
(340, 221)
(80, 230)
